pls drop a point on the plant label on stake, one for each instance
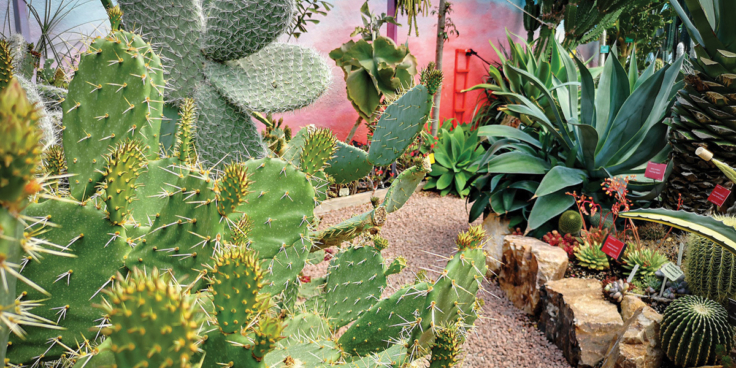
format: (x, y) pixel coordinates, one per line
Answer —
(671, 271)
(655, 171)
(679, 253)
(633, 272)
(605, 49)
(613, 247)
(719, 195)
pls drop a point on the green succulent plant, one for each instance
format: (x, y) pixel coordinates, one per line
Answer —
(649, 261)
(591, 256)
(692, 327)
(588, 140)
(456, 155)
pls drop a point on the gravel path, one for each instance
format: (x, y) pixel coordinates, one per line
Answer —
(428, 222)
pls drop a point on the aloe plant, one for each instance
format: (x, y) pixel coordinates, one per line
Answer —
(456, 156)
(611, 130)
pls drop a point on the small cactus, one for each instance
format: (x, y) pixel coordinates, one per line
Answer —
(570, 222)
(591, 256)
(615, 290)
(649, 261)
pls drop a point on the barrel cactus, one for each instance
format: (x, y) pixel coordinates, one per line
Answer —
(710, 269)
(692, 328)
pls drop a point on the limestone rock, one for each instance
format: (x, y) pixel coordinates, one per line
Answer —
(496, 229)
(528, 264)
(577, 318)
(640, 346)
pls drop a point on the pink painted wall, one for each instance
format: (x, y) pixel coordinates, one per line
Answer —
(478, 21)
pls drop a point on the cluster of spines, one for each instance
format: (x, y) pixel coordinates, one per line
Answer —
(184, 148)
(431, 78)
(319, 147)
(116, 17)
(471, 239)
(152, 323)
(20, 149)
(446, 348)
(232, 188)
(6, 64)
(124, 165)
(236, 280)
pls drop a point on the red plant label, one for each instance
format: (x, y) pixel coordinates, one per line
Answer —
(613, 247)
(655, 171)
(719, 195)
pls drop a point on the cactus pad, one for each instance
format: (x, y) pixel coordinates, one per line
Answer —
(236, 279)
(446, 348)
(348, 164)
(311, 353)
(231, 188)
(238, 28)
(6, 64)
(184, 147)
(355, 282)
(404, 185)
(251, 83)
(319, 146)
(350, 228)
(151, 322)
(124, 165)
(116, 94)
(399, 125)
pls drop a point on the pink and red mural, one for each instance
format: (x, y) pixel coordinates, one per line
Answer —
(478, 21)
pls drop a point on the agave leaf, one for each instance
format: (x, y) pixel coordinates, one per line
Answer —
(508, 132)
(705, 226)
(547, 207)
(633, 71)
(558, 178)
(517, 163)
(613, 90)
(588, 140)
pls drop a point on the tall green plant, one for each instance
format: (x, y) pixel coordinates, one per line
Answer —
(611, 130)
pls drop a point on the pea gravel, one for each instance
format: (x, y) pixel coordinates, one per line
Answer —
(427, 224)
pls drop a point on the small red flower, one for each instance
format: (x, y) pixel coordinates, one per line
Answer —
(305, 279)
(412, 154)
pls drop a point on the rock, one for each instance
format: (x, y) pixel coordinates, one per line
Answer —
(640, 346)
(577, 318)
(496, 229)
(527, 264)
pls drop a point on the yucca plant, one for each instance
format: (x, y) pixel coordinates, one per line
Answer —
(705, 108)
(456, 156)
(611, 130)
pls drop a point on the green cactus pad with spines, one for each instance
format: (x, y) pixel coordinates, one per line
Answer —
(187, 231)
(100, 357)
(282, 271)
(154, 178)
(319, 146)
(446, 348)
(236, 280)
(295, 146)
(312, 353)
(184, 147)
(431, 78)
(151, 322)
(231, 188)
(306, 326)
(238, 28)
(175, 27)
(251, 83)
(399, 125)
(6, 64)
(224, 133)
(692, 328)
(354, 283)
(280, 205)
(452, 297)
(11, 233)
(710, 269)
(54, 163)
(350, 228)
(348, 164)
(124, 165)
(74, 283)
(394, 356)
(267, 336)
(396, 266)
(404, 186)
(116, 94)
(223, 350)
(20, 150)
(385, 321)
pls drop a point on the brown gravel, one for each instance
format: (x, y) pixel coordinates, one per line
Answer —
(505, 336)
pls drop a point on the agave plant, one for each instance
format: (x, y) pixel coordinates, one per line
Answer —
(609, 131)
(456, 156)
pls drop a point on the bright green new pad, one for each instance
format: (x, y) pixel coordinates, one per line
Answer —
(116, 94)
(236, 279)
(238, 28)
(354, 283)
(224, 133)
(252, 83)
(348, 164)
(399, 125)
(74, 283)
(280, 203)
(385, 321)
